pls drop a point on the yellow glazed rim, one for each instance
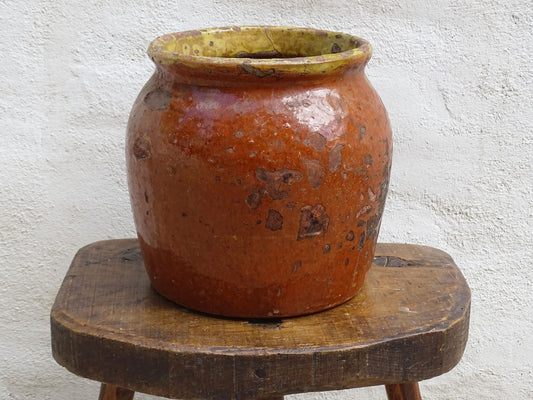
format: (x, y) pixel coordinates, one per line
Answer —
(261, 50)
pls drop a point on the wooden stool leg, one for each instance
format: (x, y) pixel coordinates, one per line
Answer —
(403, 391)
(111, 392)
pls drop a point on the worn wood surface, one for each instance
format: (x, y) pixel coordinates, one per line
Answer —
(409, 323)
(403, 391)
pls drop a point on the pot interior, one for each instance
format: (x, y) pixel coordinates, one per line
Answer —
(259, 42)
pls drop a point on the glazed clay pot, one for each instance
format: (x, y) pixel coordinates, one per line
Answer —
(258, 163)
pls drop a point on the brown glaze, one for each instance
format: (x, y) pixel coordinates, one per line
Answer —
(258, 184)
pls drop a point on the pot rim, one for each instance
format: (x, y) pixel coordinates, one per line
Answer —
(171, 50)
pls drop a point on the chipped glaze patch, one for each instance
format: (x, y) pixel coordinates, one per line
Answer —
(315, 172)
(316, 140)
(274, 180)
(313, 221)
(255, 198)
(362, 132)
(363, 211)
(274, 220)
(158, 99)
(335, 158)
(142, 148)
(250, 69)
(368, 160)
(290, 205)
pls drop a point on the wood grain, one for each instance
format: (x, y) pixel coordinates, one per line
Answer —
(403, 391)
(111, 392)
(409, 323)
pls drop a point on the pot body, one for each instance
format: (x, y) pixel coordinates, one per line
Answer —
(255, 193)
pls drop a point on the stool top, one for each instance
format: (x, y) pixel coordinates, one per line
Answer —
(409, 323)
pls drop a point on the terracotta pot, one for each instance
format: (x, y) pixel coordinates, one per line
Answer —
(258, 163)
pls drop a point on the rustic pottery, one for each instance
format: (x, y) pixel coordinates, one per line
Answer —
(258, 165)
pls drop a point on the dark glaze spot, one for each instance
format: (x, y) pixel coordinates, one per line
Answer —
(259, 54)
(158, 99)
(373, 225)
(316, 140)
(386, 175)
(336, 48)
(387, 147)
(335, 158)
(142, 148)
(313, 221)
(347, 261)
(350, 236)
(361, 222)
(287, 178)
(374, 221)
(274, 220)
(296, 265)
(326, 249)
(361, 241)
(255, 198)
(315, 172)
(146, 198)
(368, 160)
(273, 181)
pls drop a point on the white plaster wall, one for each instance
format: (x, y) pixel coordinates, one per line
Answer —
(455, 75)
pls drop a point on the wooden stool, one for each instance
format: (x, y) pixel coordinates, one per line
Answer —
(409, 323)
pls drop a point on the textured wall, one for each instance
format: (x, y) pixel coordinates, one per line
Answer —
(455, 76)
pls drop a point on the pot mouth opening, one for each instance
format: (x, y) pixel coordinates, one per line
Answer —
(288, 48)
